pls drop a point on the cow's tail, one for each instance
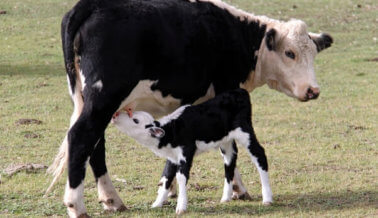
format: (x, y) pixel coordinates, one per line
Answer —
(71, 41)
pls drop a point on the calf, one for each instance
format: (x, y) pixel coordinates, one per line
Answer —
(191, 130)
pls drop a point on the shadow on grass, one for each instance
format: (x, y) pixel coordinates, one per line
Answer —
(32, 70)
(311, 202)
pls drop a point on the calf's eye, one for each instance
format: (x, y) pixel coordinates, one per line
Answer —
(290, 54)
(136, 121)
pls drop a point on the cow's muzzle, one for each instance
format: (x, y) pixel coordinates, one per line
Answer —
(311, 94)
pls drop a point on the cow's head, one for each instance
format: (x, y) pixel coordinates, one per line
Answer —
(286, 59)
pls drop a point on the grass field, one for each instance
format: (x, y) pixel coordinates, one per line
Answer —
(323, 154)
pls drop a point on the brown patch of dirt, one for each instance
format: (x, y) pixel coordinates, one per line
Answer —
(372, 60)
(31, 135)
(28, 121)
(41, 85)
(3, 12)
(30, 167)
(138, 188)
(199, 187)
(357, 127)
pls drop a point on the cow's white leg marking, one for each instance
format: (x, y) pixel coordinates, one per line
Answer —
(162, 193)
(182, 199)
(74, 200)
(264, 177)
(107, 194)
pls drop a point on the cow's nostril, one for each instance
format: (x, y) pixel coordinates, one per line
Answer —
(312, 93)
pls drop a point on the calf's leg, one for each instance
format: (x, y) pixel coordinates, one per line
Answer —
(230, 154)
(182, 177)
(168, 176)
(257, 153)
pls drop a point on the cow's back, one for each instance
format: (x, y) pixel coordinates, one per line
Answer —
(186, 47)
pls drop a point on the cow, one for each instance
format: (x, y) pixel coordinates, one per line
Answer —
(157, 55)
(191, 130)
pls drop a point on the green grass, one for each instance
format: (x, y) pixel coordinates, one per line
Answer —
(322, 154)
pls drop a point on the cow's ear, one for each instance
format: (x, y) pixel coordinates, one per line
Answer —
(271, 39)
(322, 41)
(157, 132)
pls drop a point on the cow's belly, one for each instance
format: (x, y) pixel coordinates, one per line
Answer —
(143, 98)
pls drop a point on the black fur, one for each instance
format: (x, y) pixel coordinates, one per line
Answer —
(271, 39)
(210, 122)
(324, 41)
(185, 46)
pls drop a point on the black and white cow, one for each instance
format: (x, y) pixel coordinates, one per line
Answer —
(156, 55)
(191, 130)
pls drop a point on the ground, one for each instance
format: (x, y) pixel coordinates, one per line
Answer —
(322, 154)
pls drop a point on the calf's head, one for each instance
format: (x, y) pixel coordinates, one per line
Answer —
(286, 59)
(141, 126)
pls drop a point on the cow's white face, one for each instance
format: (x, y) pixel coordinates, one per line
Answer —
(286, 59)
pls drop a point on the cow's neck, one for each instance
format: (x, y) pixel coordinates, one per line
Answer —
(255, 78)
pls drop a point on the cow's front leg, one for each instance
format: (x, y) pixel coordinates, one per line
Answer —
(81, 144)
(85, 134)
(107, 194)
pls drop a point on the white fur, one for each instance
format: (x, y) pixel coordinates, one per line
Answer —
(173, 115)
(75, 197)
(264, 178)
(162, 193)
(182, 199)
(227, 191)
(106, 191)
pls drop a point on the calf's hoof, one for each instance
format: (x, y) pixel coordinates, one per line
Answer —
(180, 212)
(267, 203)
(224, 200)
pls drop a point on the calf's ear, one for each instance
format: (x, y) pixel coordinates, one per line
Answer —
(271, 39)
(157, 132)
(322, 41)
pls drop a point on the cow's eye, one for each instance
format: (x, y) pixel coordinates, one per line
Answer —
(290, 54)
(136, 121)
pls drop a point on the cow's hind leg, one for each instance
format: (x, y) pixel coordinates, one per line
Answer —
(249, 140)
(83, 137)
(107, 194)
(168, 176)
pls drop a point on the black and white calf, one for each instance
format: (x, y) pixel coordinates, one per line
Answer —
(190, 130)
